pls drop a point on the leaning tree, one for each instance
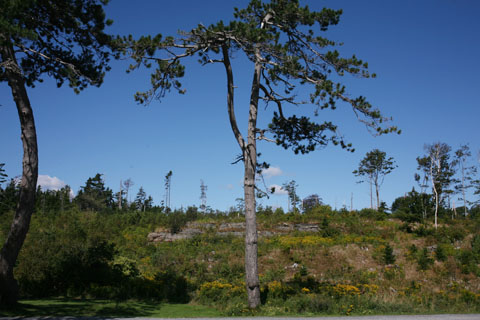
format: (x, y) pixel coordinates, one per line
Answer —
(282, 42)
(63, 39)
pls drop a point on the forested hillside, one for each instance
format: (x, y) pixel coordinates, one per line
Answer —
(346, 262)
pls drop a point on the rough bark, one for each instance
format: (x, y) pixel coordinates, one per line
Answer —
(26, 203)
(251, 237)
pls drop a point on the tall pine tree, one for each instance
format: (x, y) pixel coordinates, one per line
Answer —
(65, 40)
(282, 41)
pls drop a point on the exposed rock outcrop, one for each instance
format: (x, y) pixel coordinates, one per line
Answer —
(236, 229)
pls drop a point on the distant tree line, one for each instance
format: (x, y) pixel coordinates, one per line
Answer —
(447, 180)
(93, 196)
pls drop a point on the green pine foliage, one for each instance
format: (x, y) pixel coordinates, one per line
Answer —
(50, 31)
(3, 176)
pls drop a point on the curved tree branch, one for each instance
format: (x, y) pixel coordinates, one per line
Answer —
(230, 102)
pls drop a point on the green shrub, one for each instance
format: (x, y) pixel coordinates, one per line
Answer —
(450, 234)
(174, 287)
(475, 243)
(176, 221)
(406, 227)
(423, 231)
(468, 262)
(220, 292)
(372, 214)
(440, 253)
(424, 260)
(326, 229)
(412, 250)
(276, 290)
(407, 217)
(388, 256)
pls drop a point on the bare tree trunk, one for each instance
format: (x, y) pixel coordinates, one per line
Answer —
(436, 206)
(432, 161)
(351, 202)
(377, 192)
(26, 203)
(250, 162)
(424, 207)
(371, 195)
(463, 190)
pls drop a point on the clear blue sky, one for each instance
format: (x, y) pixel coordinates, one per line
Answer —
(425, 54)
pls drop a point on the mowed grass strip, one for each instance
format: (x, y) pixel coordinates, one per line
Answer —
(107, 308)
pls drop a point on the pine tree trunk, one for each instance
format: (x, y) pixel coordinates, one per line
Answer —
(26, 203)
(250, 162)
(249, 153)
(251, 238)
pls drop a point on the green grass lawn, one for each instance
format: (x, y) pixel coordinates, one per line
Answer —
(106, 308)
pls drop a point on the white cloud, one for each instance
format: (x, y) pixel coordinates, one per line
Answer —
(230, 186)
(278, 189)
(50, 183)
(272, 172)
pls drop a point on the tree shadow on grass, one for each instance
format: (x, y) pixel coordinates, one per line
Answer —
(80, 308)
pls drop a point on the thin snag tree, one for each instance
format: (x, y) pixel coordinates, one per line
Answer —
(63, 39)
(467, 173)
(280, 39)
